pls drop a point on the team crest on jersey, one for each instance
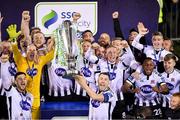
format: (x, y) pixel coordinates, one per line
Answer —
(172, 79)
(152, 81)
(170, 86)
(95, 103)
(60, 71)
(86, 72)
(146, 89)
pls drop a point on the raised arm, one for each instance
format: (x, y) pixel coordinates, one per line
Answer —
(128, 49)
(90, 55)
(25, 25)
(117, 26)
(11, 30)
(142, 31)
(12, 37)
(6, 82)
(51, 44)
(82, 82)
(76, 16)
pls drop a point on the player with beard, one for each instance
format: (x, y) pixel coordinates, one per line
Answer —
(7, 65)
(172, 79)
(104, 40)
(7, 68)
(102, 100)
(39, 41)
(146, 88)
(86, 69)
(34, 36)
(19, 101)
(139, 56)
(87, 35)
(32, 65)
(114, 67)
(99, 52)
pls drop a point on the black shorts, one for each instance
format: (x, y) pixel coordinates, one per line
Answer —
(166, 112)
(3, 111)
(119, 111)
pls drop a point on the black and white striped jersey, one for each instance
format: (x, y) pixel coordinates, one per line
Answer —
(86, 68)
(9, 70)
(157, 56)
(102, 110)
(116, 73)
(172, 81)
(146, 96)
(59, 86)
(19, 104)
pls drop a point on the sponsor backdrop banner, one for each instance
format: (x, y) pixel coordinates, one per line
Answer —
(49, 15)
(131, 12)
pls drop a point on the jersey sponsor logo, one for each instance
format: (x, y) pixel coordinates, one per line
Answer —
(170, 86)
(86, 72)
(25, 105)
(60, 71)
(32, 72)
(146, 89)
(163, 79)
(95, 103)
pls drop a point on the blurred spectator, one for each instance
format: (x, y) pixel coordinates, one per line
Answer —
(168, 18)
(175, 107)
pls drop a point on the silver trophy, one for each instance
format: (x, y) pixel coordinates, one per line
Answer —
(69, 40)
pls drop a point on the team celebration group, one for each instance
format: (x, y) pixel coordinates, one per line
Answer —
(122, 78)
